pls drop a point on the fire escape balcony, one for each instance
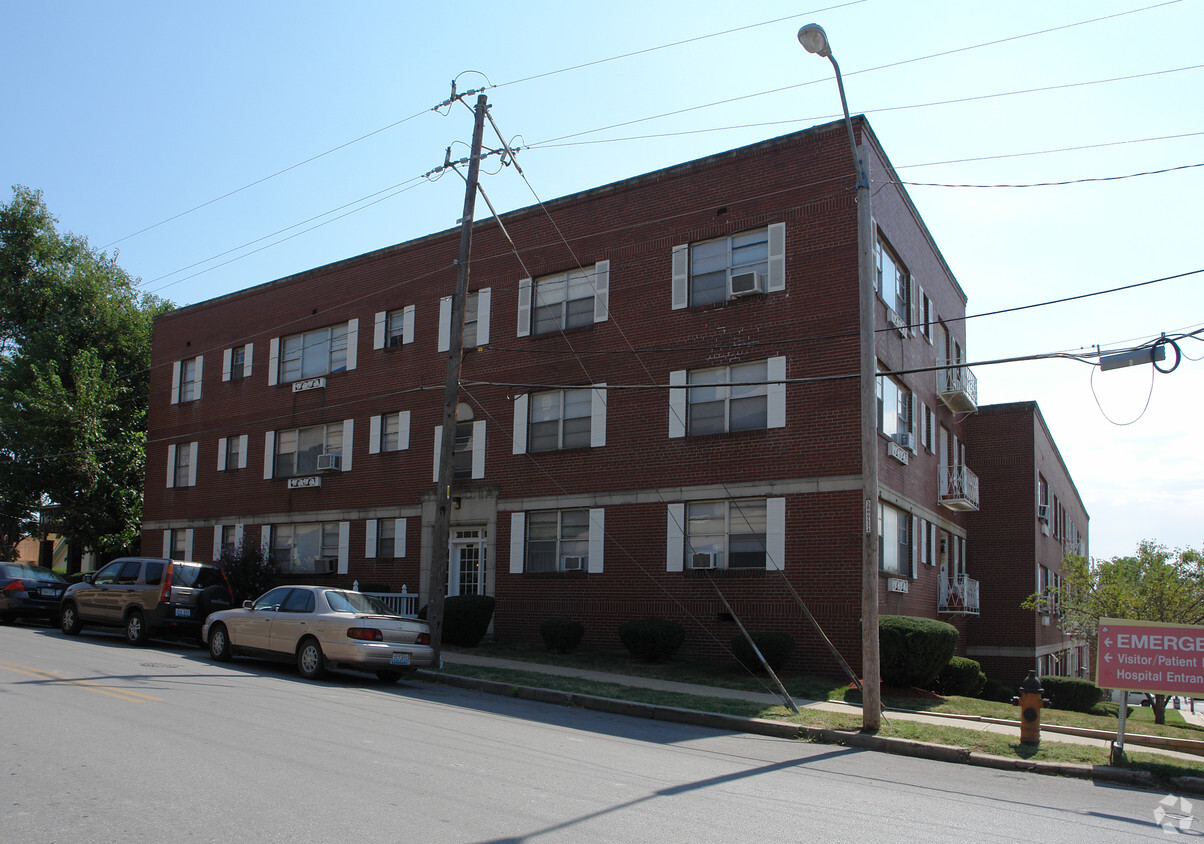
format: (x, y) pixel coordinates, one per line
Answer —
(959, 488)
(958, 595)
(957, 387)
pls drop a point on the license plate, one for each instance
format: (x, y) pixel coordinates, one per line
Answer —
(401, 659)
(183, 612)
(49, 593)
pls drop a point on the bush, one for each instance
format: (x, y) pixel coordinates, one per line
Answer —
(775, 647)
(561, 635)
(466, 619)
(250, 571)
(914, 650)
(1070, 693)
(996, 691)
(651, 639)
(961, 676)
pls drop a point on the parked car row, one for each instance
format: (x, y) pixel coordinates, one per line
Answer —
(318, 627)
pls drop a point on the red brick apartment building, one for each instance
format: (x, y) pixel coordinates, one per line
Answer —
(1031, 516)
(659, 404)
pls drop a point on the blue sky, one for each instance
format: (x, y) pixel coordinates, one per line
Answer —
(126, 114)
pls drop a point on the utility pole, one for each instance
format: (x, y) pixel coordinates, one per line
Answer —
(441, 531)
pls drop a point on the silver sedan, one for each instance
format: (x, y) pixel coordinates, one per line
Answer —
(321, 627)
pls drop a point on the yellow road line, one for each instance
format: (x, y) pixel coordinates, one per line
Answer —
(121, 694)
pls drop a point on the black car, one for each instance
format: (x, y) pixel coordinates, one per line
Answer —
(28, 591)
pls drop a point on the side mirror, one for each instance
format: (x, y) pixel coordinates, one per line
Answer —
(248, 605)
(89, 577)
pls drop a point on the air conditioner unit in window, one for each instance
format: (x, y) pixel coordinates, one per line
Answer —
(704, 559)
(396, 340)
(746, 284)
(572, 563)
(1043, 512)
(326, 565)
(330, 462)
(903, 438)
(894, 319)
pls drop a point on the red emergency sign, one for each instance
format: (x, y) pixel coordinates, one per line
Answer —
(1150, 656)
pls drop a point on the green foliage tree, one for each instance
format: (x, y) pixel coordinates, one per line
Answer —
(75, 342)
(1155, 584)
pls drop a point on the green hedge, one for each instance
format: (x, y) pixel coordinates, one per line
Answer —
(1070, 693)
(562, 635)
(775, 647)
(651, 639)
(914, 650)
(961, 676)
(466, 619)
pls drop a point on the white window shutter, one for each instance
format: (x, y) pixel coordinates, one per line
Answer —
(777, 258)
(681, 276)
(915, 546)
(188, 544)
(776, 393)
(923, 424)
(265, 539)
(407, 324)
(399, 537)
(518, 530)
(175, 383)
(348, 439)
(217, 543)
(370, 539)
(374, 435)
(378, 331)
(675, 545)
(602, 291)
(524, 307)
(775, 534)
(273, 361)
(353, 342)
(344, 545)
(193, 448)
(913, 321)
(242, 451)
(239, 529)
(167, 544)
(226, 357)
(597, 539)
(269, 448)
(478, 449)
(677, 403)
(483, 298)
(521, 403)
(200, 368)
(248, 351)
(444, 324)
(403, 430)
(221, 454)
(171, 466)
(915, 416)
(438, 450)
(597, 425)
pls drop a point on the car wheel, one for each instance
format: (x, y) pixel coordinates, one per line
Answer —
(69, 620)
(219, 643)
(310, 660)
(135, 628)
(7, 619)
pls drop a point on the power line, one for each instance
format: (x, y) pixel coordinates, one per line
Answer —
(1060, 183)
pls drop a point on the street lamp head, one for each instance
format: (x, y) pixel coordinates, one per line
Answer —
(815, 40)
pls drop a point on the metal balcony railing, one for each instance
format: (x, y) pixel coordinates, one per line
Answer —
(958, 595)
(957, 387)
(959, 488)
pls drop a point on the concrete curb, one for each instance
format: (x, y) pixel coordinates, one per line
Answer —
(780, 729)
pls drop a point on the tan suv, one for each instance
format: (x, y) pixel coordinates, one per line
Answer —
(146, 596)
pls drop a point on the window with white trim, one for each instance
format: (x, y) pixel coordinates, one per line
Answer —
(298, 449)
(389, 432)
(238, 363)
(894, 284)
(728, 267)
(476, 320)
(180, 546)
(894, 540)
(927, 316)
(560, 419)
(723, 399)
(564, 300)
(895, 410)
(468, 457)
(557, 540)
(394, 328)
(181, 464)
(306, 548)
(386, 537)
(228, 540)
(725, 534)
(314, 353)
(235, 458)
(186, 379)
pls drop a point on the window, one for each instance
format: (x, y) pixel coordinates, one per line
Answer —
(893, 281)
(386, 534)
(306, 548)
(186, 380)
(725, 534)
(927, 315)
(717, 270)
(235, 459)
(564, 300)
(560, 419)
(314, 353)
(394, 328)
(297, 450)
(894, 410)
(384, 538)
(728, 398)
(1042, 498)
(894, 540)
(476, 320)
(468, 456)
(181, 464)
(238, 357)
(229, 540)
(462, 451)
(558, 540)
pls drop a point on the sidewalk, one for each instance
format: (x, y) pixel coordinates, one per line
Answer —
(1048, 733)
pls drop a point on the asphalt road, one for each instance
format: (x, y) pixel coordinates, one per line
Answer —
(103, 741)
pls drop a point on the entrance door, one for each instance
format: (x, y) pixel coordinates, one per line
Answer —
(466, 562)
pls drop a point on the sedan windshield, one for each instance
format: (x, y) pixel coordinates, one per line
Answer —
(355, 602)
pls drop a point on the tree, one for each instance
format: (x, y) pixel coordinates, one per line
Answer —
(1155, 584)
(75, 337)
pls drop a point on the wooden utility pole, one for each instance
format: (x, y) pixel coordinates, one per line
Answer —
(441, 532)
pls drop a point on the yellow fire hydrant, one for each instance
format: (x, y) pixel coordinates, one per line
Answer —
(1030, 709)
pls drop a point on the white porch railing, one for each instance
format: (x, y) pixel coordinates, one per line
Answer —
(958, 595)
(957, 387)
(959, 488)
(402, 603)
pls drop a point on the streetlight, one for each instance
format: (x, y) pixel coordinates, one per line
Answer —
(815, 40)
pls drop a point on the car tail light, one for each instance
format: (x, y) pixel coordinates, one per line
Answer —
(366, 634)
(165, 594)
(423, 639)
(15, 586)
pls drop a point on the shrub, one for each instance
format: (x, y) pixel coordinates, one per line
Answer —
(914, 650)
(250, 571)
(961, 676)
(651, 639)
(994, 690)
(775, 647)
(562, 635)
(1070, 693)
(466, 619)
